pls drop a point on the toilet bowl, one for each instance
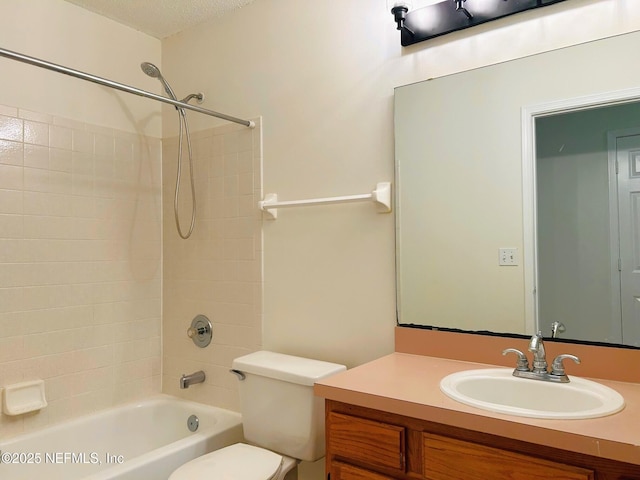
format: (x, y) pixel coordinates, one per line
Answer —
(282, 420)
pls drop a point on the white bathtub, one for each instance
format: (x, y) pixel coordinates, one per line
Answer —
(145, 440)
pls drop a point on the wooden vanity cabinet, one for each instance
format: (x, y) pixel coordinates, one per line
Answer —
(372, 443)
(366, 444)
(444, 455)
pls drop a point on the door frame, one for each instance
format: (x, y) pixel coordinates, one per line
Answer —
(614, 223)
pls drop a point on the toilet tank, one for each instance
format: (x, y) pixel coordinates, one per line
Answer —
(279, 409)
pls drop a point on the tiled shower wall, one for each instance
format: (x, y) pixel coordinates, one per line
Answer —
(80, 264)
(217, 272)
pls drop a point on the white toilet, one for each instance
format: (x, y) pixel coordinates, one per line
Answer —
(283, 421)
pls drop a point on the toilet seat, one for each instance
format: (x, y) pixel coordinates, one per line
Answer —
(236, 462)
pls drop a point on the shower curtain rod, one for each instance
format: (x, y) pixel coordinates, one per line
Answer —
(118, 86)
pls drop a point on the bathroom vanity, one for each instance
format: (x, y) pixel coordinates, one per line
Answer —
(388, 419)
(365, 443)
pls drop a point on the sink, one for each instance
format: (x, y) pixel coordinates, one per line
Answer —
(497, 390)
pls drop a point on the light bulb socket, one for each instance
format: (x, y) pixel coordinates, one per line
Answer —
(399, 14)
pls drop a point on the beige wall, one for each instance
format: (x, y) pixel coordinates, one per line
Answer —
(60, 32)
(321, 75)
(80, 215)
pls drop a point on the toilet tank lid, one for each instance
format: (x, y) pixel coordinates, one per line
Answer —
(288, 368)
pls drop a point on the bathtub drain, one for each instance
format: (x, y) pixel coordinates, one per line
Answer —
(193, 422)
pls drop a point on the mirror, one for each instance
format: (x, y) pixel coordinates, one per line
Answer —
(497, 159)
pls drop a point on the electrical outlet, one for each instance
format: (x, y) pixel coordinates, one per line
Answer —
(508, 256)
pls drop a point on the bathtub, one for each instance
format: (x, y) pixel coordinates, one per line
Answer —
(145, 440)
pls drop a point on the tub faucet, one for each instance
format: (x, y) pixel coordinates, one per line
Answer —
(187, 380)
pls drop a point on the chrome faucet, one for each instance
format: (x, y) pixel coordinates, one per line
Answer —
(540, 370)
(187, 380)
(536, 346)
(557, 327)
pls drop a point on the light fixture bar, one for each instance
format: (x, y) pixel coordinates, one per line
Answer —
(453, 15)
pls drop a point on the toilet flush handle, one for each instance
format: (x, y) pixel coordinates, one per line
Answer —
(241, 376)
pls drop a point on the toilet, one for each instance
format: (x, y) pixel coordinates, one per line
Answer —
(283, 421)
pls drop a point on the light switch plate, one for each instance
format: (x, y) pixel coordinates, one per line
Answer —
(508, 256)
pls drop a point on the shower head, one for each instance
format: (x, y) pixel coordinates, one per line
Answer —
(154, 72)
(150, 69)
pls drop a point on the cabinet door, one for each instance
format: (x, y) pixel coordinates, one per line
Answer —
(344, 471)
(371, 443)
(451, 459)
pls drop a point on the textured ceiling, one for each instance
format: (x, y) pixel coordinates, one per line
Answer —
(161, 18)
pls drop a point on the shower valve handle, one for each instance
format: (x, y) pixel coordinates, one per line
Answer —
(200, 331)
(193, 332)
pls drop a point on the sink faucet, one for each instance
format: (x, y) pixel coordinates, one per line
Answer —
(557, 327)
(536, 345)
(540, 370)
(187, 380)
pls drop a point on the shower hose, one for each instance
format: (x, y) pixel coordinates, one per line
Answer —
(184, 131)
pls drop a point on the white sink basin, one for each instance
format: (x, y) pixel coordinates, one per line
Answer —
(497, 390)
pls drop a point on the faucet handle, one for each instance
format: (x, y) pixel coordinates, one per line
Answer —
(557, 367)
(523, 362)
(557, 327)
(194, 332)
(200, 331)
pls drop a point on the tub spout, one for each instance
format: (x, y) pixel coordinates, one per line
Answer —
(187, 380)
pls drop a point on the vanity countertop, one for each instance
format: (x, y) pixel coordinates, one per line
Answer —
(409, 384)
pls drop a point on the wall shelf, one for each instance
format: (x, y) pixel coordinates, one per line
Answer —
(23, 397)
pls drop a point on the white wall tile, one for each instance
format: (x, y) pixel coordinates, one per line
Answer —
(202, 275)
(36, 156)
(36, 133)
(82, 141)
(60, 137)
(11, 152)
(79, 264)
(11, 177)
(11, 128)
(11, 201)
(11, 226)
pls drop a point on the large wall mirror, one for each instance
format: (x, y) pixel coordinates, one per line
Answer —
(534, 163)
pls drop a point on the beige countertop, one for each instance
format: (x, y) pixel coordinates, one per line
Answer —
(408, 384)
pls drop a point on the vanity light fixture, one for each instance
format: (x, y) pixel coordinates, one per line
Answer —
(449, 16)
(399, 11)
(460, 8)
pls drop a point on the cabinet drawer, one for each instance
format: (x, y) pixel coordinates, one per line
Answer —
(344, 471)
(366, 441)
(449, 459)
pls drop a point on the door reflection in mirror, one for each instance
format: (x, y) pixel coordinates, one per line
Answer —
(588, 223)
